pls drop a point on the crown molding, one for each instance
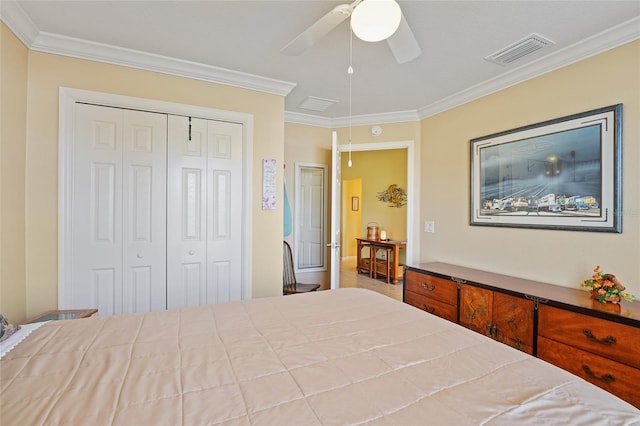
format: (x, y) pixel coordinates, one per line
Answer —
(356, 120)
(307, 119)
(18, 21)
(82, 49)
(382, 118)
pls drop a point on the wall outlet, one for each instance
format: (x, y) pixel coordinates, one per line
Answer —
(430, 226)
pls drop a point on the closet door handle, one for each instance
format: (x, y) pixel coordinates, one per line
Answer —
(191, 252)
(140, 254)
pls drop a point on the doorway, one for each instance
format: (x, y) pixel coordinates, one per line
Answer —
(366, 199)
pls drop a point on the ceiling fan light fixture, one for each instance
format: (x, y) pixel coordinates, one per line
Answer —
(375, 20)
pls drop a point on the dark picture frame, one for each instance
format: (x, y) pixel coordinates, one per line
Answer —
(562, 174)
(355, 204)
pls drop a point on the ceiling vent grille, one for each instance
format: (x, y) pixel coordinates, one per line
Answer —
(519, 49)
(313, 103)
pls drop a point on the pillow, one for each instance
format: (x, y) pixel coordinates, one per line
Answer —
(6, 329)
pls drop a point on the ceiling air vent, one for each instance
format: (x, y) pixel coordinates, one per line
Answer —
(317, 104)
(519, 49)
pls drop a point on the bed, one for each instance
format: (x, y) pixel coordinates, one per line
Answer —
(347, 356)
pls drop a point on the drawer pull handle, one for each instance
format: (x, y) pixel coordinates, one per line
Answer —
(428, 309)
(606, 378)
(609, 340)
(429, 287)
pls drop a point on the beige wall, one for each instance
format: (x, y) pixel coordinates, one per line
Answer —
(560, 257)
(13, 114)
(49, 72)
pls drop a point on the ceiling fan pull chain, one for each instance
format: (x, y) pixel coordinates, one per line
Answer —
(350, 73)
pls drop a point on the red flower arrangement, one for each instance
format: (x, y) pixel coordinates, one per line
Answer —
(606, 287)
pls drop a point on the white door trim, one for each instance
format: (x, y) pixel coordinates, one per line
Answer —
(409, 145)
(68, 97)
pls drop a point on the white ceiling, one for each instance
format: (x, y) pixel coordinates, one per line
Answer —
(206, 39)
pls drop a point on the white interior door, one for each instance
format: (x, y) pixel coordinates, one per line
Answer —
(336, 181)
(204, 254)
(311, 218)
(119, 225)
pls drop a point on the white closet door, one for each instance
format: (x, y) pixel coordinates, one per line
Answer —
(224, 212)
(186, 212)
(119, 225)
(144, 175)
(204, 213)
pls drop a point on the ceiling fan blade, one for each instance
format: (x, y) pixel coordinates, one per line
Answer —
(319, 29)
(403, 43)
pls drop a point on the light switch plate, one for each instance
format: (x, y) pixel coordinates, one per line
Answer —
(430, 226)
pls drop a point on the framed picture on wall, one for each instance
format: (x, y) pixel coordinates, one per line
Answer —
(355, 204)
(561, 174)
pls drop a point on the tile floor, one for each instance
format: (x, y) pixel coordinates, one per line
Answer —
(349, 277)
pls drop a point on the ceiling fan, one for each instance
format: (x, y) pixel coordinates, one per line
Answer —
(402, 42)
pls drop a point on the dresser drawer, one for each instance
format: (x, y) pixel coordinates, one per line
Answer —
(437, 288)
(432, 306)
(614, 377)
(612, 340)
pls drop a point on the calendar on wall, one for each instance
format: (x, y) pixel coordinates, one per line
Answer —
(269, 184)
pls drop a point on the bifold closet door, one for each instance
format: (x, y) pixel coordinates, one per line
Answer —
(119, 208)
(204, 211)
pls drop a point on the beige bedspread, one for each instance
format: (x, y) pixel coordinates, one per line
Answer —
(346, 356)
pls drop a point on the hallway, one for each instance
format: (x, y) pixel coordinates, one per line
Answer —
(350, 278)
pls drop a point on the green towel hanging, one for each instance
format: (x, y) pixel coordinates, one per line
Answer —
(287, 213)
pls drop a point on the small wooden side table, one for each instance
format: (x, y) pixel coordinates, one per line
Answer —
(61, 315)
(395, 246)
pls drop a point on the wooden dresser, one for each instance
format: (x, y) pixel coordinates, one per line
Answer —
(598, 342)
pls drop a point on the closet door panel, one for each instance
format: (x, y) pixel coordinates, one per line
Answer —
(119, 202)
(144, 207)
(103, 286)
(140, 281)
(224, 212)
(192, 285)
(186, 212)
(219, 285)
(96, 265)
(204, 263)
